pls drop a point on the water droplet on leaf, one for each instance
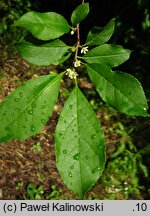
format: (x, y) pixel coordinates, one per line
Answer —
(93, 136)
(76, 156)
(70, 174)
(30, 112)
(16, 99)
(96, 169)
(27, 132)
(144, 108)
(65, 151)
(43, 121)
(60, 134)
(32, 128)
(70, 106)
(71, 167)
(20, 94)
(43, 106)
(86, 157)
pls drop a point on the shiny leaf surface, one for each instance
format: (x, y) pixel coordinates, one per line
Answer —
(80, 146)
(26, 110)
(44, 55)
(111, 55)
(118, 89)
(44, 26)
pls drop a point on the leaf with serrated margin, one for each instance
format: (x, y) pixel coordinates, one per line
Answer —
(119, 90)
(111, 55)
(43, 55)
(79, 13)
(44, 26)
(99, 35)
(26, 110)
(80, 146)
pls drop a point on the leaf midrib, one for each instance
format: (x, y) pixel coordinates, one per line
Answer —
(98, 36)
(79, 139)
(45, 24)
(104, 56)
(113, 86)
(43, 47)
(50, 22)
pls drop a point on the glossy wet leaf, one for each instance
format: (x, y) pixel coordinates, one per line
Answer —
(118, 89)
(79, 13)
(26, 110)
(100, 35)
(111, 55)
(47, 54)
(80, 147)
(44, 26)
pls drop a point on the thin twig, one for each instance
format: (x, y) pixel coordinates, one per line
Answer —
(77, 43)
(78, 40)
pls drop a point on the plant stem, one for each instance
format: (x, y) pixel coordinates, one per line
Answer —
(77, 43)
(78, 40)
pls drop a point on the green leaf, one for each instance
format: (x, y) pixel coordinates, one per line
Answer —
(44, 26)
(120, 90)
(100, 35)
(111, 55)
(80, 146)
(79, 13)
(65, 57)
(47, 54)
(26, 110)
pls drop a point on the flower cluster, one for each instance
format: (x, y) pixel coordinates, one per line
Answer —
(71, 73)
(84, 50)
(77, 63)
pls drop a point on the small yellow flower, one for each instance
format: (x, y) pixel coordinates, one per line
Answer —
(77, 63)
(84, 50)
(71, 73)
(72, 32)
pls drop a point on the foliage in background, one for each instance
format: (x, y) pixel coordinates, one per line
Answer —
(135, 34)
(11, 11)
(125, 164)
